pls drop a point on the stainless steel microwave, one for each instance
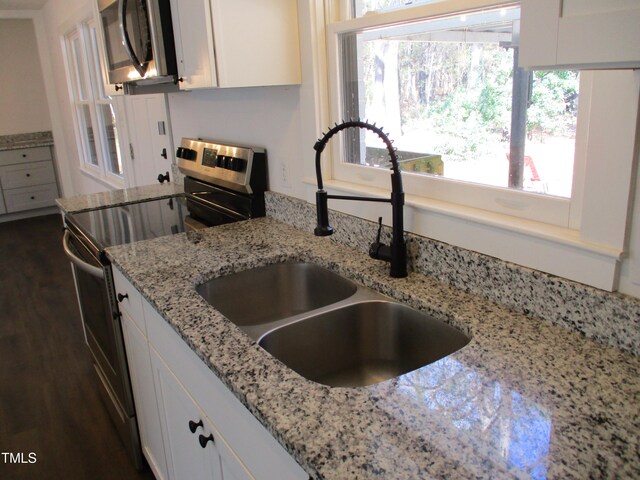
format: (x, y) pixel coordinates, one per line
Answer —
(139, 43)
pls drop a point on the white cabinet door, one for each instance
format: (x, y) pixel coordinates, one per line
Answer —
(584, 34)
(193, 35)
(256, 43)
(236, 43)
(190, 440)
(144, 395)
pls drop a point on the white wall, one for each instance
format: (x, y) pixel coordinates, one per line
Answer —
(266, 117)
(55, 18)
(284, 120)
(23, 103)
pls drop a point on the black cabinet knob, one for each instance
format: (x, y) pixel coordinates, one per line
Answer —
(162, 178)
(28, 174)
(121, 297)
(193, 426)
(204, 440)
(33, 198)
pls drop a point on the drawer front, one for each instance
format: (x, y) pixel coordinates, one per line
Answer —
(22, 155)
(26, 175)
(26, 198)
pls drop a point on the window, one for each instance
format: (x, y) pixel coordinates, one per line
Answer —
(456, 106)
(567, 215)
(450, 95)
(95, 112)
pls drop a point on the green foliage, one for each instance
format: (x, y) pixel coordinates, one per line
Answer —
(553, 103)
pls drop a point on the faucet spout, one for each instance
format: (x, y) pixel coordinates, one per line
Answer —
(396, 253)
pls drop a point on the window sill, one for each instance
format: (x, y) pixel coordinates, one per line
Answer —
(551, 249)
(111, 182)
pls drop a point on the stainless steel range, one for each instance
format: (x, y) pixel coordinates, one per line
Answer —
(223, 184)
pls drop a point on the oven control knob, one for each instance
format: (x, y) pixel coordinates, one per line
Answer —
(238, 165)
(227, 162)
(219, 160)
(180, 152)
(190, 154)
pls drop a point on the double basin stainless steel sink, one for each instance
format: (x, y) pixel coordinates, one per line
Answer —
(327, 328)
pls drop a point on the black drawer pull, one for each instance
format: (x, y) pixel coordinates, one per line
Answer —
(121, 297)
(204, 440)
(24, 155)
(32, 197)
(28, 174)
(193, 426)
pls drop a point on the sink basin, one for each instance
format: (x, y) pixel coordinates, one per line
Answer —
(362, 344)
(267, 294)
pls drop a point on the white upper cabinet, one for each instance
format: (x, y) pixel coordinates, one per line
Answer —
(236, 43)
(580, 34)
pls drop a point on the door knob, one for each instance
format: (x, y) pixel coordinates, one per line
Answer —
(162, 178)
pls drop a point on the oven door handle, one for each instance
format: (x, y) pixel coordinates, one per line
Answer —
(78, 262)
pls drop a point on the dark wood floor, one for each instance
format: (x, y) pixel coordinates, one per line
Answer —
(49, 400)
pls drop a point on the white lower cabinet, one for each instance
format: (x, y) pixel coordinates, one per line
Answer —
(191, 426)
(144, 394)
(27, 179)
(190, 438)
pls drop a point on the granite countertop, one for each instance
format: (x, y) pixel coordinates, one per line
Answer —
(25, 140)
(524, 399)
(110, 198)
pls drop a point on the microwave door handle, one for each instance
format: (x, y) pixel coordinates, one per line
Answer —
(78, 262)
(142, 69)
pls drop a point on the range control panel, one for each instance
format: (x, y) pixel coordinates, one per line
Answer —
(239, 168)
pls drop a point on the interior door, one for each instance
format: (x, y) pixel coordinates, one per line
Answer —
(150, 138)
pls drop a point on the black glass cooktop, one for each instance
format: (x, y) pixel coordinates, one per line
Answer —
(111, 226)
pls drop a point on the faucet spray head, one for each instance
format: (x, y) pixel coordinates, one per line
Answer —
(322, 228)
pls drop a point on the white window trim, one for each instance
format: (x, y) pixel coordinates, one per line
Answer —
(588, 249)
(99, 172)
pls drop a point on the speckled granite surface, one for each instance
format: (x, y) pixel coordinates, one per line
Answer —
(611, 318)
(524, 399)
(26, 140)
(80, 203)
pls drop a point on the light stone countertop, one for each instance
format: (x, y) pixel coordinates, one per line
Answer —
(25, 140)
(524, 399)
(110, 198)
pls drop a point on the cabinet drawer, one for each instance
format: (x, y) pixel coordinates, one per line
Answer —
(22, 155)
(27, 198)
(27, 174)
(130, 300)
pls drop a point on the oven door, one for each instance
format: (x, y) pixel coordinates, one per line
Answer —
(102, 327)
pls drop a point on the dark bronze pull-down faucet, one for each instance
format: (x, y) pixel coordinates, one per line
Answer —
(396, 253)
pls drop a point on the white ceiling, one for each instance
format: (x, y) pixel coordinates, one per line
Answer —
(22, 4)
